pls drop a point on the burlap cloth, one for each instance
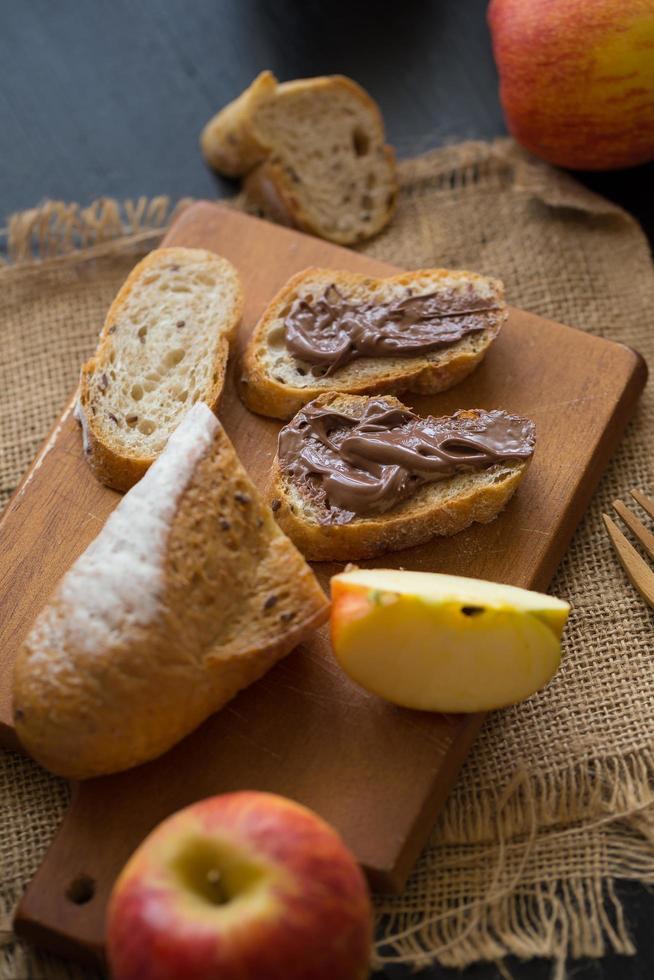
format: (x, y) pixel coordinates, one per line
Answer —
(556, 802)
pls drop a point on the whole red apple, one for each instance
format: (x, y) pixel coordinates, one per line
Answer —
(577, 78)
(245, 886)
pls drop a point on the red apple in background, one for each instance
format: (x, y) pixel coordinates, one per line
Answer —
(577, 78)
(245, 886)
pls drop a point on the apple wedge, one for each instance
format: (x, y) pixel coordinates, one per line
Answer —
(444, 643)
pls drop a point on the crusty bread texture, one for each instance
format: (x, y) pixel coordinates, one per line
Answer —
(163, 347)
(229, 141)
(314, 154)
(189, 593)
(435, 509)
(274, 383)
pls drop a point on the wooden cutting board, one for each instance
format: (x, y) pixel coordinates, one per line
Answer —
(377, 773)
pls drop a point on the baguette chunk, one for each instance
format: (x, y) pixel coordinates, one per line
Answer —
(313, 152)
(273, 382)
(189, 593)
(164, 346)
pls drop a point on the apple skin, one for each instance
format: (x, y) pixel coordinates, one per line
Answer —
(307, 917)
(577, 79)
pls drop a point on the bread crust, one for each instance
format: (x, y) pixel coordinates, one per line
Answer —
(266, 191)
(420, 375)
(111, 465)
(410, 523)
(340, 81)
(228, 142)
(232, 595)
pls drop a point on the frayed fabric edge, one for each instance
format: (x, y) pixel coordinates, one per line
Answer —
(516, 913)
(56, 229)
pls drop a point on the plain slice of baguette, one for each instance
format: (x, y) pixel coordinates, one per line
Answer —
(163, 347)
(436, 509)
(189, 593)
(274, 383)
(314, 153)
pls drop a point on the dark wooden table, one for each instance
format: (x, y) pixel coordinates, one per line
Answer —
(107, 97)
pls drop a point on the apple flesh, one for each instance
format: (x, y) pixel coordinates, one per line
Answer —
(577, 79)
(244, 886)
(444, 643)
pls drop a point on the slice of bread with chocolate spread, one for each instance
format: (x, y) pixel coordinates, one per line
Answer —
(329, 330)
(164, 346)
(314, 154)
(356, 477)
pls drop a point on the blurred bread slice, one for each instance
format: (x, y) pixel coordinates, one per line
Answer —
(189, 593)
(229, 141)
(164, 346)
(314, 153)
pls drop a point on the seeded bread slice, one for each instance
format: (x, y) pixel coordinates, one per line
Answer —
(436, 509)
(189, 593)
(274, 383)
(164, 346)
(314, 153)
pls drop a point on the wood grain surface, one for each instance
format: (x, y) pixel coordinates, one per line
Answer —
(378, 773)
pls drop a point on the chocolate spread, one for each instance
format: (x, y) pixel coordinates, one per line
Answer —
(367, 464)
(330, 331)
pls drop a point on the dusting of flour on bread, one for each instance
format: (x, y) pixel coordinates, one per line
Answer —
(189, 593)
(116, 582)
(79, 416)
